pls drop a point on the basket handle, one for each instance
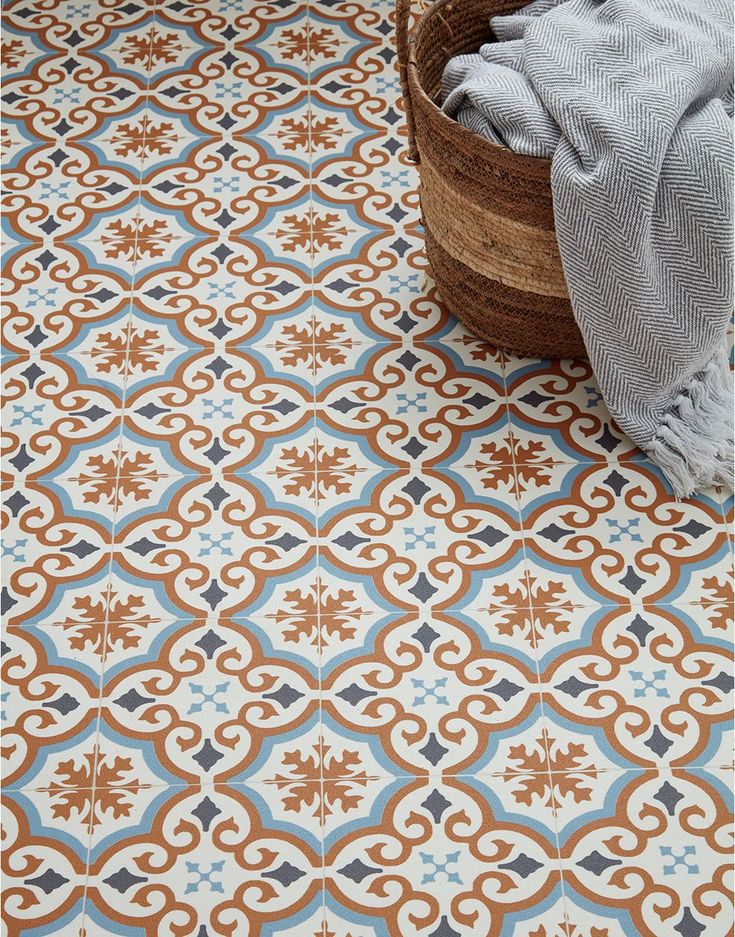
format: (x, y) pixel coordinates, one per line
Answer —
(403, 14)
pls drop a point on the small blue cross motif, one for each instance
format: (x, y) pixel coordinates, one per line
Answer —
(225, 184)
(412, 403)
(47, 297)
(225, 289)
(27, 413)
(430, 692)
(225, 88)
(593, 396)
(440, 867)
(624, 530)
(215, 543)
(679, 860)
(202, 876)
(413, 537)
(400, 178)
(649, 683)
(208, 698)
(15, 550)
(71, 95)
(410, 282)
(211, 408)
(61, 189)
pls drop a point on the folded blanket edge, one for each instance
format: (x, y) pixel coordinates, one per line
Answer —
(693, 443)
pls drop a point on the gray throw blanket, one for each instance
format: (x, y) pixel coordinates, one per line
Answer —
(632, 101)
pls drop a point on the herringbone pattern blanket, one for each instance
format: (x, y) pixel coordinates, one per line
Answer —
(632, 100)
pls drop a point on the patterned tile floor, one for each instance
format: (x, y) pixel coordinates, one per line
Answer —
(323, 619)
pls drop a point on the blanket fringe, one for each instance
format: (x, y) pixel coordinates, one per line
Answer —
(693, 444)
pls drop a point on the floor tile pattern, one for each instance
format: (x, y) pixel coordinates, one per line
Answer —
(322, 617)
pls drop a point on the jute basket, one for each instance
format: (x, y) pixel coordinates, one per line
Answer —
(487, 211)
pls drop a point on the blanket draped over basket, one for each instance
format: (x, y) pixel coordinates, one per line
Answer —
(632, 101)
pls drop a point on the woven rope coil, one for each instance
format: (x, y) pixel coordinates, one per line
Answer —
(487, 211)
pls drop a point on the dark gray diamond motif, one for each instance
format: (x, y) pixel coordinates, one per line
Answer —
(286, 874)
(444, 929)
(657, 742)
(489, 535)
(413, 448)
(722, 682)
(284, 407)
(216, 495)
(81, 549)
(207, 756)
(632, 581)
(641, 629)
(668, 795)
(477, 401)
(433, 751)
(349, 541)
(522, 865)
(616, 481)
(596, 863)
(436, 803)
(205, 812)
(49, 881)
(286, 542)
(425, 636)
(213, 594)
(416, 489)
(64, 704)
(422, 588)
(122, 880)
(555, 533)
(132, 700)
(354, 694)
(607, 440)
(688, 925)
(505, 689)
(357, 870)
(216, 452)
(210, 643)
(408, 360)
(573, 686)
(284, 695)
(692, 529)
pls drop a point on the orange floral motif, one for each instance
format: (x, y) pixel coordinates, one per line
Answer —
(151, 47)
(336, 613)
(548, 617)
(504, 460)
(311, 133)
(311, 231)
(538, 781)
(307, 42)
(144, 137)
(300, 468)
(340, 777)
(118, 477)
(12, 53)
(86, 793)
(107, 623)
(137, 239)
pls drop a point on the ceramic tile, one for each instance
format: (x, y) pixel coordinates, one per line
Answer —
(635, 861)
(322, 617)
(431, 854)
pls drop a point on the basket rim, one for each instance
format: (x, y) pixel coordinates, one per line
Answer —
(462, 134)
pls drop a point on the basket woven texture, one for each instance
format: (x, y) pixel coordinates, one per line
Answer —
(487, 211)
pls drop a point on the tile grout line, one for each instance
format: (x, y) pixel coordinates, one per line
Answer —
(116, 490)
(549, 774)
(317, 515)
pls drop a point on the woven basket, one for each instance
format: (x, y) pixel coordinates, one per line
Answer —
(487, 211)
